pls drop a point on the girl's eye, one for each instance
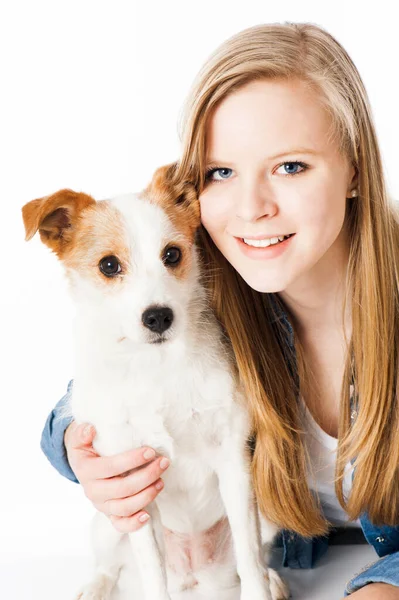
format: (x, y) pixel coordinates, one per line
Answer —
(291, 168)
(218, 174)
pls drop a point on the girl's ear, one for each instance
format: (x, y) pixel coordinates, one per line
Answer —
(54, 217)
(354, 183)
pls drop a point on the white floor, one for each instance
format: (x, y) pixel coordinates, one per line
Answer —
(59, 578)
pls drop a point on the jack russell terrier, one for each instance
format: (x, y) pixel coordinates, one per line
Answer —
(152, 367)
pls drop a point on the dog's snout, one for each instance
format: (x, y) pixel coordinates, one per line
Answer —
(157, 319)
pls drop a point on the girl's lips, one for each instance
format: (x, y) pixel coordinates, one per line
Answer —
(272, 251)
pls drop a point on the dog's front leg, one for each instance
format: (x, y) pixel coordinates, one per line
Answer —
(232, 467)
(150, 558)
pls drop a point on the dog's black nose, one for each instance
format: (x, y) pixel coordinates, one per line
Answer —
(157, 319)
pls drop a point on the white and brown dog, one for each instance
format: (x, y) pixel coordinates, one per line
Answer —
(152, 368)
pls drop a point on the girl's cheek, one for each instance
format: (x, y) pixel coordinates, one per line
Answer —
(215, 208)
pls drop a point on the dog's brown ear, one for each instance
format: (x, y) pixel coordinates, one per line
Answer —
(54, 217)
(163, 178)
(167, 190)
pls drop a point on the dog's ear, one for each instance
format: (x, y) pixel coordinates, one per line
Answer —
(171, 193)
(163, 179)
(54, 217)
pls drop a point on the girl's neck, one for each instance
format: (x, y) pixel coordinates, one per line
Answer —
(316, 299)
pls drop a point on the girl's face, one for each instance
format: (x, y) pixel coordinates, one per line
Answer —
(273, 172)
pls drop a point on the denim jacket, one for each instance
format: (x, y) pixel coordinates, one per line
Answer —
(299, 552)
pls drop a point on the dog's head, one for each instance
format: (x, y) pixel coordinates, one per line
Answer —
(131, 261)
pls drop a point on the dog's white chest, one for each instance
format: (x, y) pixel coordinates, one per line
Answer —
(180, 411)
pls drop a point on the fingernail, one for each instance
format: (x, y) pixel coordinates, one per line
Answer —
(144, 518)
(87, 431)
(159, 485)
(164, 463)
(149, 453)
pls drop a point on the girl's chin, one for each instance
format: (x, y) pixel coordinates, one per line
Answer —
(265, 287)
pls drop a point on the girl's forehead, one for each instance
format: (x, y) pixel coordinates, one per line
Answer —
(278, 115)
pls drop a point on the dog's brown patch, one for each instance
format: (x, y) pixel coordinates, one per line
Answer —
(55, 218)
(101, 233)
(179, 200)
(80, 231)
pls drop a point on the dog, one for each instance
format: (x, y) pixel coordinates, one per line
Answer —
(152, 367)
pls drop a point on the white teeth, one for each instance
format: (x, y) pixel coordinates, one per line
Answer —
(258, 243)
(265, 243)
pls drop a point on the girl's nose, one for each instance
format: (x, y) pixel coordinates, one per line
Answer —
(255, 202)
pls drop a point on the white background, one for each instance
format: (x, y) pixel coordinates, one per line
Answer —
(90, 95)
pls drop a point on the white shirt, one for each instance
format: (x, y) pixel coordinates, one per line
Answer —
(322, 450)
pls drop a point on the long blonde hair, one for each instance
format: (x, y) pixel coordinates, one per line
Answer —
(265, 366)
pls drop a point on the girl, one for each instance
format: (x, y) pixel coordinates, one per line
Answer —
(304, 253)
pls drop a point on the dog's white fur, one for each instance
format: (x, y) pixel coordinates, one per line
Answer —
(178, 397)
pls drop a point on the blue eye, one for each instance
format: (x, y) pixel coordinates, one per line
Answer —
(221, 172)
(291, 167)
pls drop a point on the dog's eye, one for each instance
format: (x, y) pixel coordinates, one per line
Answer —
(172, 256)
(109, 266)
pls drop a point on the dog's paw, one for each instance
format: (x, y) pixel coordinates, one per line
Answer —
(278, 588)
(99, 589)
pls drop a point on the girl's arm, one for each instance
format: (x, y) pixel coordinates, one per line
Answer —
(378, 581)
(377, 591)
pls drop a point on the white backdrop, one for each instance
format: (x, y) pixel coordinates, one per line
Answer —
(90, 94)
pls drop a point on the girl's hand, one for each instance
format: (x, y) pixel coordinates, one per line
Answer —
(120, 486)
(377, 591)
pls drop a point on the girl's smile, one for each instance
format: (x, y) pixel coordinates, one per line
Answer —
(264, 248)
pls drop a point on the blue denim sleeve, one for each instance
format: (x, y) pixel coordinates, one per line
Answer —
(384, 570)
(52, 442)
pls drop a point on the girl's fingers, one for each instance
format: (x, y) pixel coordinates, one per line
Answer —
(130, 506)
(130, 524)
(105, 467)
(117, 488)
(80, 436)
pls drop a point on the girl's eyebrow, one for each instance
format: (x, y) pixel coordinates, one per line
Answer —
(279, 155)
(295, 151)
